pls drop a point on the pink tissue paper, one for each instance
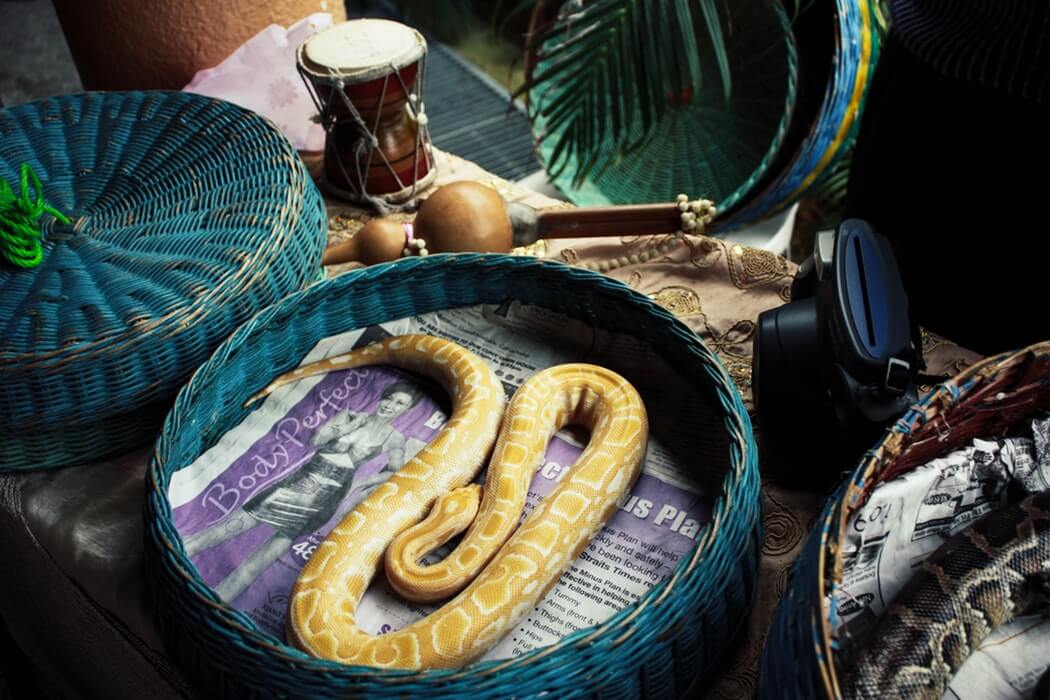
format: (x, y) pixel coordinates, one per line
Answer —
(262, 76)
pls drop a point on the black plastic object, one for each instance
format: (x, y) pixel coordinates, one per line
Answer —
(836, 365)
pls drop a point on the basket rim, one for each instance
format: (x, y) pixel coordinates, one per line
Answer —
(742, 471)
(776, 196)
(243, 277)
(854, 492)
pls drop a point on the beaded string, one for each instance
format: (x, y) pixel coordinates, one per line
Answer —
(696, 215)
(19, 232)
(413, 245)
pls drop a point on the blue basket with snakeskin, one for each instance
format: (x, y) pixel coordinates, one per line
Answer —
(657, 646)
(986, 400)
(186, 216)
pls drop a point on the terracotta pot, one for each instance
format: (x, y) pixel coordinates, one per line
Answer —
(161, 44)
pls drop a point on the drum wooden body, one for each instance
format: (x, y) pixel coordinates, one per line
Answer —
(367, 78)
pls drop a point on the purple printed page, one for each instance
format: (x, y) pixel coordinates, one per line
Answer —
(273, 462)
(254, 507)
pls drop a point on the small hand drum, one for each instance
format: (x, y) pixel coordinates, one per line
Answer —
(366, 77)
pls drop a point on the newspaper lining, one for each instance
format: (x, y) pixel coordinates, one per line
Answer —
(906, 519)
(252, 509)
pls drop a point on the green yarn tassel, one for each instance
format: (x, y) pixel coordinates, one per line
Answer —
(19, 232)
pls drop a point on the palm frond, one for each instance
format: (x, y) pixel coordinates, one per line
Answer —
(606, 71)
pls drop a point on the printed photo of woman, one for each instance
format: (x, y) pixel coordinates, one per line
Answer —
(306, 499)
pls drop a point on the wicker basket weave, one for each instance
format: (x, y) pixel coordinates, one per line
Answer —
(708, 148)
(188, 215)
(985, 400)
(831, 135)
(655, 647)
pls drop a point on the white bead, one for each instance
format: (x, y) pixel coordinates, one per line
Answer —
(683, 207)
(421, 119)
(622, 260)
(423, 252)
(682, 198)
(644, 257)
(633, 258)
(406, 253)
(603, 266)
(412, 97)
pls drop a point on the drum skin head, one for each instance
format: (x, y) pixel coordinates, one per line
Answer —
(363, 49)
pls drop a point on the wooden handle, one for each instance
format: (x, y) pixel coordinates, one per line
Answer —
(590, 222)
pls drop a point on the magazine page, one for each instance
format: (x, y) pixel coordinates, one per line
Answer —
(253, 508)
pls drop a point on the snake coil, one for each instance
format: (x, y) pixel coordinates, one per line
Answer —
(499, 571)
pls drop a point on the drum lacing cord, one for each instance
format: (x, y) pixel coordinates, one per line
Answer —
(368, 146)
(19, 232)
(365, 146)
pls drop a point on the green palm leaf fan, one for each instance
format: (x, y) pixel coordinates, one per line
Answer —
(639, 100)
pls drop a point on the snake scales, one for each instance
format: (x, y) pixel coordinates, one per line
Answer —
(498, 571)
(978, 580)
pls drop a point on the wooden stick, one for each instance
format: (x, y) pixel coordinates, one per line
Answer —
(589, 222)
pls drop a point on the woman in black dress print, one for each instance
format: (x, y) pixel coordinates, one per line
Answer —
(306, 499)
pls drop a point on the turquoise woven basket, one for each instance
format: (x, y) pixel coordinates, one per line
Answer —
(656, 647)
(188, 215)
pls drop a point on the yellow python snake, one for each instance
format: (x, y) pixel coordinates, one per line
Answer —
(498, 571)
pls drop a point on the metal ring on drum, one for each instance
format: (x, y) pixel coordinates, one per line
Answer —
(366, 78)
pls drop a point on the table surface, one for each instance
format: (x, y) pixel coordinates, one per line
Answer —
(76, 533)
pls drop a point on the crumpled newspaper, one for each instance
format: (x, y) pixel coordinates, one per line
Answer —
(262, 76)
(907, 518)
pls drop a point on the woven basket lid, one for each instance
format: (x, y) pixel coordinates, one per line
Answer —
(706, 148)
(188, 214)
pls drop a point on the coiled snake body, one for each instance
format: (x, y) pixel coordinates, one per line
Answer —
(498, 580)
(978, 580)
